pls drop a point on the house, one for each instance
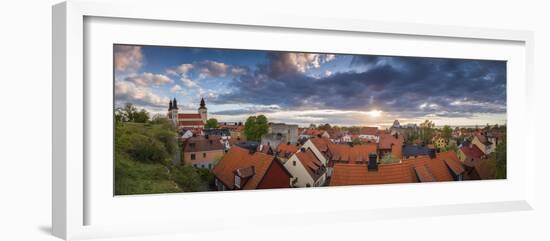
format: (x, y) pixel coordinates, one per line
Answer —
(440, 143)
(345, 153)
(486, 144)
(187, 120)
(244, 169)
(403, 130)
(286, 150)
(391, 144)
(280, 133)
(203, 151)
(372, 173)
(236, 130)
(444, 167)
(469, 152)
(306, 169)
(369, 134)
(310, 133)
(221, 133)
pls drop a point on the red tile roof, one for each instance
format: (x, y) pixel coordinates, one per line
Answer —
(441, 166)
(423, 174)
(358, 174)
(368, 131)
(356, 153)
(312, 132)
(313, 165)
(321, 143)
(388, 140)
(471, 151)
(286, 150)
(238, 158)
(421, 169)
(200, 143)
(189, 116)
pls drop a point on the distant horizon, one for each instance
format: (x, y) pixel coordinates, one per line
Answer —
(304, 88)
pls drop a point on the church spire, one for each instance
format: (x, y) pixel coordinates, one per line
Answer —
(203, 105)
(170, 106)
(175, 104)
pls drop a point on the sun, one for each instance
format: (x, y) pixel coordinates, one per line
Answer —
(374, 113)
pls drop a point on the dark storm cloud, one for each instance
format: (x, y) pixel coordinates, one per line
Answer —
(444, 87)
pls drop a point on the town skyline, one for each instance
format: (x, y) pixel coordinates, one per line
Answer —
(310, 88)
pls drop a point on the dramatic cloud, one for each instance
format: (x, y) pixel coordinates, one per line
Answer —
(206, 69)
(127, 58)
(175, 89)
(285, 63)
(148, 79)
(419, 86)
(138, 95)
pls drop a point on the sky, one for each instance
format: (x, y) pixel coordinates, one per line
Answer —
(311, 88)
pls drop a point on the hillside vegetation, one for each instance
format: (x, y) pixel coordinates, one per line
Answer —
(144, 154)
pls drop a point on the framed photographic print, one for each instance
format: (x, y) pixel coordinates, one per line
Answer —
(193, 118)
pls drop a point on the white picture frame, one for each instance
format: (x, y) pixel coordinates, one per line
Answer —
(74, 199)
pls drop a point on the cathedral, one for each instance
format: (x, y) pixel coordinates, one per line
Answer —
(187, 120)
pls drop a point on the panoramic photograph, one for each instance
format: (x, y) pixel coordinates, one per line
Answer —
(190, 119)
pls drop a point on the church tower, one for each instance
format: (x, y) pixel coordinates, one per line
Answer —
(173, 111)
(203, 111)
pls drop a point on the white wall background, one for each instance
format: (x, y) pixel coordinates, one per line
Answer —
(25, 120)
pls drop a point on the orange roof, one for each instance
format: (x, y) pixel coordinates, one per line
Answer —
(286, 150)
(189, 116)
(201, 143)
(421, 169)
(358, 174)
(388, 140)
(424, 174)
(313, 165)
(440, 167)
(321, 143)
(312, 132)
(240, 158)
(368, 131)
(356, 153)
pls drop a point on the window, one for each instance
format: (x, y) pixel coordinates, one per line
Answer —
(294, 163)
(193, 157)
(204, 155)
(237, 181)
(209, 165)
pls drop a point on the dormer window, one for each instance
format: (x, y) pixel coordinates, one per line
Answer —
(237, 181)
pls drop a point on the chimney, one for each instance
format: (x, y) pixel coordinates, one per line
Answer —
(373, 164)
(261, 147)
(431, 153)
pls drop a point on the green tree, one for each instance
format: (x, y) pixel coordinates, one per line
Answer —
(325, 127)
(141, 116)
(426, 131)
(188, 179)
(501, 159)
(255, 127)
(447, 132)
(129, 113)
(211, 123)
